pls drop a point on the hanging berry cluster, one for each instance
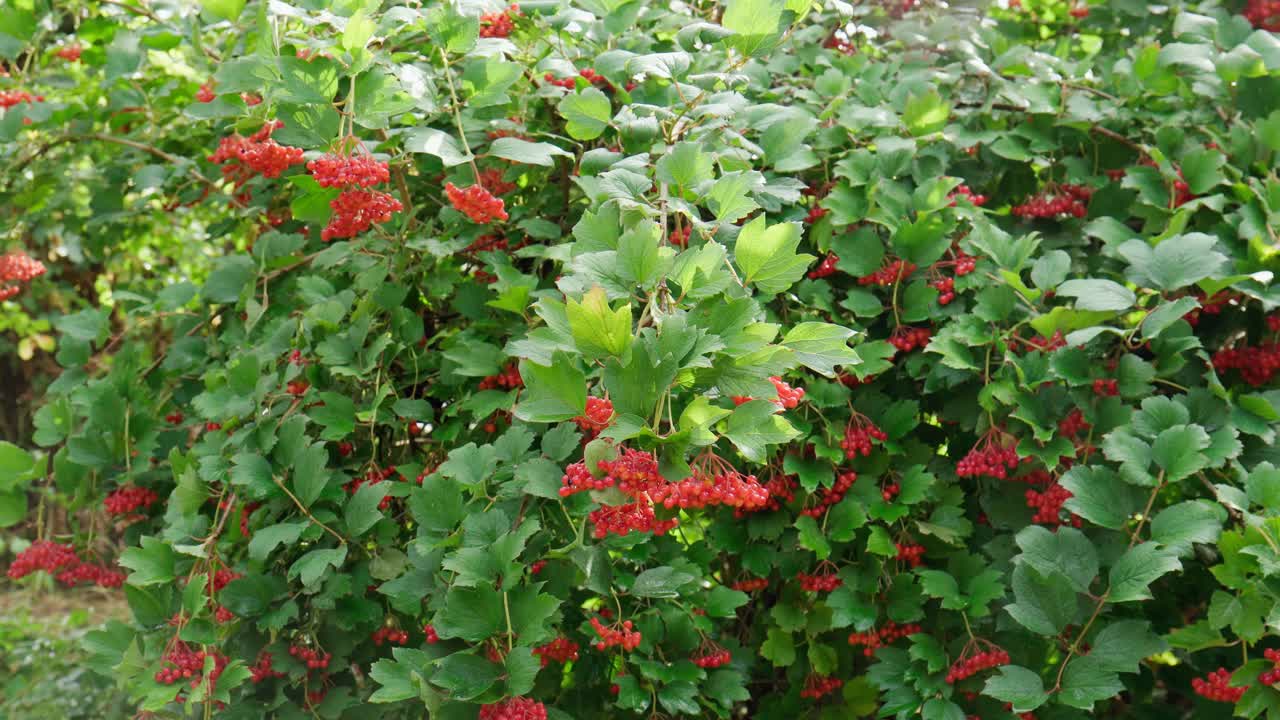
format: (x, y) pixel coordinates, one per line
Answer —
(817, 686)
(498, 24)
(825, 268)
(875, 638)
(561, 650)
(263, 669)
(905, 338)
(1264, 14)
(390, 636)
(966, 193)
(976, 663)
(1256, 364)
(64, 563)
(621, 635)
(832, 495)
(994, 456)
(889, 274)
(858, 435)
(129, 499)
(910, 553)
(623, 519)
(1216, 686)
(312, 658)
(16, 270)
(356, 209)
(1272, 676)
(598, 416)
(1048, 506)
(821, 581)
(750, 584)
(476, 203)
(243, 158)
(10, 98)
(711, 655)
(1060, 201)
(520, 708)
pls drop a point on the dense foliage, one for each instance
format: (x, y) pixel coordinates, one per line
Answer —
(598, 358)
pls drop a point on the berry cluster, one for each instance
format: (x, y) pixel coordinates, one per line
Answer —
(1019, 344)
(242, 157)
(993, 456)
(341, 171)
(1264, 14)
(906, 338)
(621, 635)
(635, 472)
(16, 270)
(536, 566)
(263, 669)
(128, 499)
(1065, 200)
(355, 211)
(832, 495)
(577, 478)
(816, 213)
(890, 490)
(730, 488)
(891, 273)
(623, 519)
(840, 43)
(70, 53)
(297, 388)
(1256, 364)
(498, 24)
(751, 584)
(816, 686)
(587, 74)
(91, 574)
(561, 650)
(873, 639)
(374, 476)
(1073, 424)
(1106, 387)
(710, 656)
(9, 98)
(312, 658)
(1272, 676)
(491, 179)
(825, 268)
(946, 288)
(597, 417)
(975, 664)
(819, 582)
(506, 379)
(858, 435)
(42, 555)
(205, 94)
(1048, 505)
(476, 203)
(390, 636)
(910, 553)
(788, 397)
(680, 236)
(965, 192)
(520, 708)
(183, 663)
(1217, 686)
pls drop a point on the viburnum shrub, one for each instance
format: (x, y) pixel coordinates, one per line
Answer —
(757, 359)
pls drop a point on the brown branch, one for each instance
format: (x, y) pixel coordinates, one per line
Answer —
(1112, 134)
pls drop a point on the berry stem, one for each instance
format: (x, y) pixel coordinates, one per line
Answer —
(457, 115)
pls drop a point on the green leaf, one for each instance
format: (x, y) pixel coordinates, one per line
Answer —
(267, 539)
(1177, 451)
(1097, 294)
(396, 682)
(1193, 521)
(1017, 685)
(778, 648)
(586, 113)
(1140, 566)
(361, 512)
(598, 330)
(310, 474)
(337, 414)
(1177, 262)
(753, 426)
(1086, 681)
(153, 563)
(554, 393)
(1120, 646)
(756, 24)
(16, 466)
(223, 9)
(436, 142)
(465, 676)
(473, 614)
(310, 568)
(811, 537)
(660, 582)
(529, 153)
(821, 346)
(767, 255)
(1045, 603)
(729, 197)
(926, 113)
(1066, 552)
(685, 165)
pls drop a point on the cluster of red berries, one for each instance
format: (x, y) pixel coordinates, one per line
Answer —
(183, 663)
(624, 519)
(374, 476)
(577, 478)
(1217, 686)
(910, 553)
(536, 566)
(390, 636)
(858, 435)
(891, 273)
(520, 708)
(1256, 364)
(1048, 505)
(70, 53)
(1073, 424)
(635, 472)
(1209, 305)
(890, 491)
(1079, 12)
(788, 397)
(965, 192)
(128, 499)
(905, 338)
(312, 658)
(242, 157)
(221, 578)
(297, 388)
(431, 636)
(832, 495)
(1272, 676)
(711, 656)
(9, 98)
(732, 489)
(990, 457)
(840, 43)
(355, 211)
(1109, 387)
(561, 650)
(975, 664)
(43, 555)
(597, 417)
(491, 179)
(92, 575)
(816, 686)
(476, 203)
(875, 638)
(819, 582)
(1264, 14)
(1066, 200)
(587, 74)
(341, 171)
(621, 635)
(16, 270)
(825, 268)
(205, 94)
(506, 379)
(680, 236)
(1019, 344)
(750, 584)
(498, 24)
(946, 288)
(263, 669)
